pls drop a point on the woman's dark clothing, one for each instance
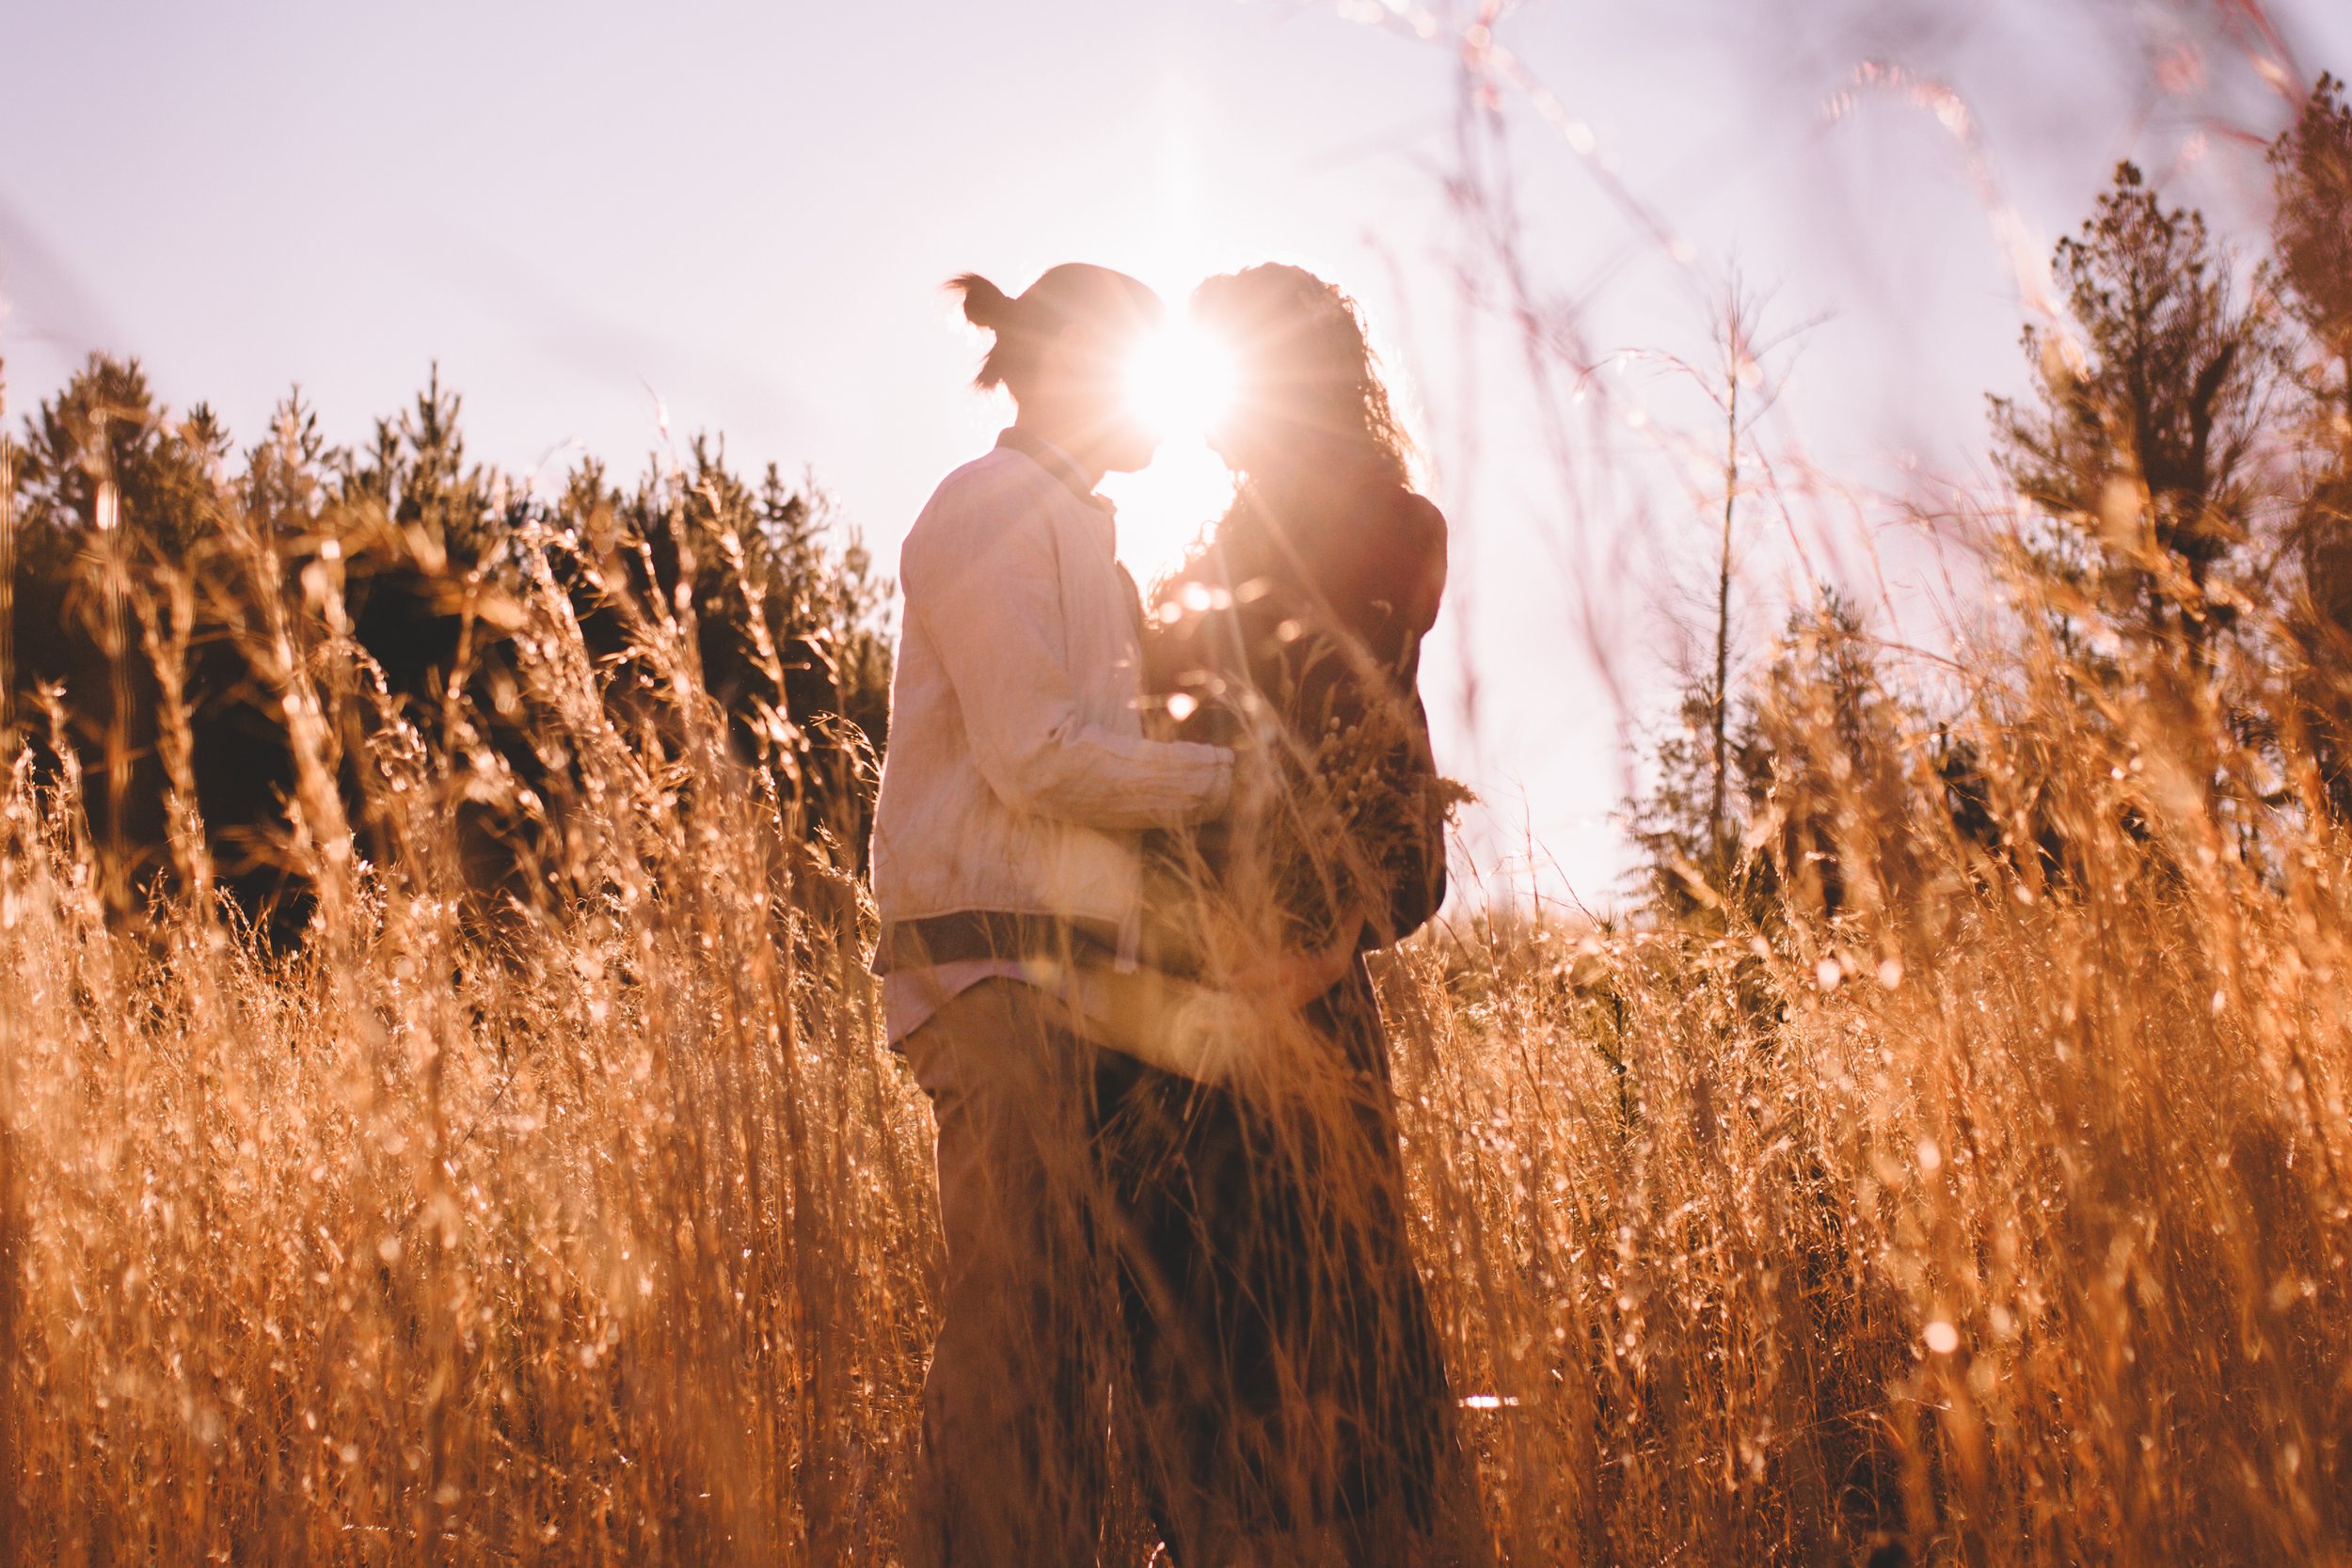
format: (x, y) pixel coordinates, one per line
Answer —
(1287, 1368)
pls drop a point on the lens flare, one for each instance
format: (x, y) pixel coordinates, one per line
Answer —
(1181, 381)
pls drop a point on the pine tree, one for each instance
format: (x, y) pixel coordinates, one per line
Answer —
(1832, 806)
(415, 470)
(102, 452)
(2136, 447)
(1813, 801)
(1688, 823)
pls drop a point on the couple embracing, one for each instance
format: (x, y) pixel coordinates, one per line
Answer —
(1128, 860)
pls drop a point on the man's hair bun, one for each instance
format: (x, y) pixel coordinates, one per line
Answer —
(1073, 291)
(984, 303)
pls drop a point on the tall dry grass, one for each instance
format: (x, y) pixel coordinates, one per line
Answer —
(1999, 1218)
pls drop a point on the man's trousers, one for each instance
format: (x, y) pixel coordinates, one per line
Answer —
(1016, 1411)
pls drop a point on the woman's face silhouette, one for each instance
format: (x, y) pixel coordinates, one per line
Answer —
(1306, 393)
(1276, 390)
(1259, 422)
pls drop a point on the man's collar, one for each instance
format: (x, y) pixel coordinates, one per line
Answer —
(1053, 461)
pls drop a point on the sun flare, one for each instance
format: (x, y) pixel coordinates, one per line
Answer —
(1183, 381)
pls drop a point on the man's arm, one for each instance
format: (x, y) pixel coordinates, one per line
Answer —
(981, 577)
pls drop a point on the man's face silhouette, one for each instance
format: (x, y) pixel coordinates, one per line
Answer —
(1086, 375)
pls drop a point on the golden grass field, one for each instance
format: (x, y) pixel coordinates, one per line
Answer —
(2001, 1218)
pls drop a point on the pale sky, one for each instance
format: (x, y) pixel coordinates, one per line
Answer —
(737, 217)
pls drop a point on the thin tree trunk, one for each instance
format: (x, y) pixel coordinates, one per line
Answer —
(115, 544)
(10, 1480)
(1722, 617)
(8, 596)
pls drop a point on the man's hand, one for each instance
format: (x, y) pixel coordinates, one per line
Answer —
(1257, 785)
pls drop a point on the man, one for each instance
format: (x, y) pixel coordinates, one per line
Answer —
(1008, 847)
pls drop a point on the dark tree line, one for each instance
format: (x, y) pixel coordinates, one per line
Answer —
(171, 601)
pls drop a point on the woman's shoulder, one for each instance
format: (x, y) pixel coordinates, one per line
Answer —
(1417, 527)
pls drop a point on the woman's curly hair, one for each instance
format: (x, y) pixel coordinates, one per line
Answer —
(1305, 362)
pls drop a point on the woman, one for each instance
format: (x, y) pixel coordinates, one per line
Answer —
(1291, 1401)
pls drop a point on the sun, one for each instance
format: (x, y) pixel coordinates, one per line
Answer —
(1182, 381)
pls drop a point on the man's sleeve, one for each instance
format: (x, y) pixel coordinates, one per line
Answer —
(980, 575)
